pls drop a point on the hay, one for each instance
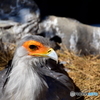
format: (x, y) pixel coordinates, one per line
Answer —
(6, 53)
(84, 70)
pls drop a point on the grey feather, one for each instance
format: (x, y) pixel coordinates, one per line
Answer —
(35, 78)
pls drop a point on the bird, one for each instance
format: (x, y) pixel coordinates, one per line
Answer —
(34, 73)
(18, 17)
(77, 37)
(21, 11)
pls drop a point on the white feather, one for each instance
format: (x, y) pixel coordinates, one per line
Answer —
(24, 82)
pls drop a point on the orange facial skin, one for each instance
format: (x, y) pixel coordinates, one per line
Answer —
(35, 48)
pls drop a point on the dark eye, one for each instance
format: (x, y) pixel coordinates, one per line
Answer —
(33, 47)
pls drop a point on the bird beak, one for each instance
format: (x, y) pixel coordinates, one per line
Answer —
(52, 54)
(48, 53)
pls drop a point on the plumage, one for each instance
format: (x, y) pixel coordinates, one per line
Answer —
(34, 73)
(77, 37)
(21, 11)
(17, 18)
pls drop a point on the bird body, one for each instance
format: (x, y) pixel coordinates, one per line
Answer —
(77, 37)
(20, 11)
(34, 73)
(18, 17)
(24, 84)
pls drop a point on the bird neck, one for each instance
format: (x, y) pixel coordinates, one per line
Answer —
(24, 82)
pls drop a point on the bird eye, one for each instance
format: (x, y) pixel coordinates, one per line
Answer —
(33, 47)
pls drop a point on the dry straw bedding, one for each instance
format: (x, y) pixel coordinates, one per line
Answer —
(84, 70)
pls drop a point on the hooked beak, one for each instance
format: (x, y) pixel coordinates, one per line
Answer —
(52, 54)
(48, 53)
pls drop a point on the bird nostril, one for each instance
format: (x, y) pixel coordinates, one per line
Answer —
(49, 51)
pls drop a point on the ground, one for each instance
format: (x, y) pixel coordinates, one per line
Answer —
(84, 70)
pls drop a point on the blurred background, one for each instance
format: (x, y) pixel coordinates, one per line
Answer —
(85, 11)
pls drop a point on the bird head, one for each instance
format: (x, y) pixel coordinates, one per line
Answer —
(37, 47)
(30, 57)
